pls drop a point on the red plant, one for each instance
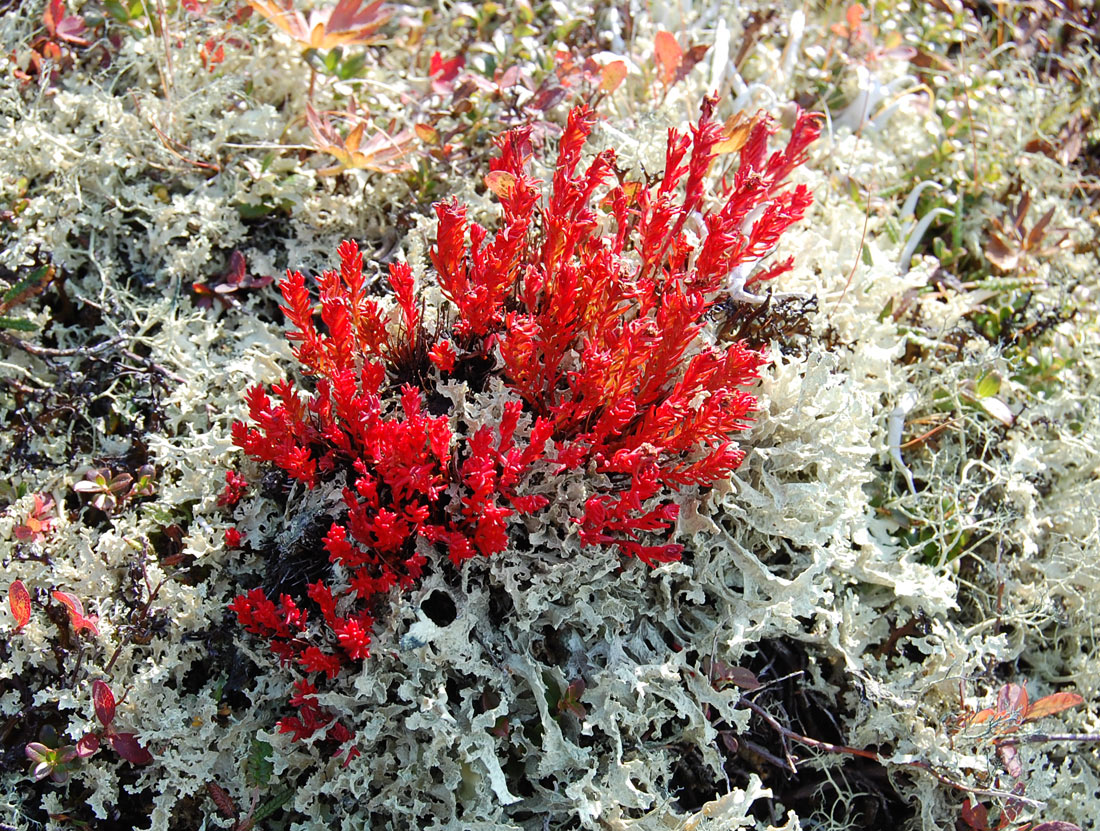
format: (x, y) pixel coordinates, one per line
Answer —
(125, 745)
(40, 522)
(598, 320)
(1002, 722)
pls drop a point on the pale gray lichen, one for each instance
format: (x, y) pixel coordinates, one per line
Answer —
(815, 542)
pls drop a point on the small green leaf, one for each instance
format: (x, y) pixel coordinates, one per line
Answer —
(272, 805)
(351, 67)
(17, 323)
(258, 766)
(28, 282)
(865, 255)
(988, 385)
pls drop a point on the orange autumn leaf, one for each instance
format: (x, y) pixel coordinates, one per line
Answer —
(19, 599)
(669, 55)
(382, 152)
(501, 182)
(735, 132)
(427, 133)
(1052, 704)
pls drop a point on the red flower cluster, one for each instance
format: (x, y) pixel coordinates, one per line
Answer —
(594, 309)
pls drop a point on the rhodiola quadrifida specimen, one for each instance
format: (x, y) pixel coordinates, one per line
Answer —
(589, 308)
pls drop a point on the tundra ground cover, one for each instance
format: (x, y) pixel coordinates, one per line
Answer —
(871, 619)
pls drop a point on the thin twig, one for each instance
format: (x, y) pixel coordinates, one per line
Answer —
(859, 254)
(47, 352)
(1037, 738)
(155, 367)
(875, 757)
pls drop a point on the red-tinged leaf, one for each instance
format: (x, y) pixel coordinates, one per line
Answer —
(690, 59)
(129, 748)
(975, 815)
(612, 76)
(1010, 758)
(546, 98)
(76, 612)
(1052, 704)
(1056, 825)
(55, 10)
(19, 599)
(70, 29)
(743, 678)
(854, 16)
(427, 134)
(982, 716)
(1012, 698)
(71, 601)
(501, 182)
(104, 701)
(226, 807)
(87, 746)
(669, 55)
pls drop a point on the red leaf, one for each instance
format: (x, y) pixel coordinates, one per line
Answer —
(104, 701)
(1010, 758)
(70, 29)
(19, 599)
(62, 25)
(1012, 698)
(76, 612)
(669, 55)
(129, 748)
(226, 807)
(445, 70)
(1052, 704)
(975, 815)
(55, 10)
(87, 746)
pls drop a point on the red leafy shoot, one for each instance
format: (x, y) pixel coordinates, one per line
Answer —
(40, 522)
(590, 304)
(125, 745)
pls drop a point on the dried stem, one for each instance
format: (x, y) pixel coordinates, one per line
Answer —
(828, 747)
